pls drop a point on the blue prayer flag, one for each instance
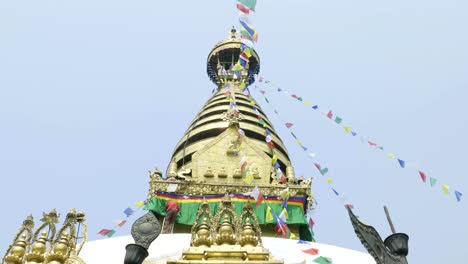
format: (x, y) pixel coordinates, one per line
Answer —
(402, 163)
(315, 107)
(128, 212)
(336, 193)
(458, 195)
(353, 133)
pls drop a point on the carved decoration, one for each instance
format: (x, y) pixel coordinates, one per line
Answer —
(146, 229)
(372, 241)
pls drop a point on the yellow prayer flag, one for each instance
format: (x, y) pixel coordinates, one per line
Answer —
(390, 155)
(242, 85)
(292, 236)
(274, 159)
(248, 177)
(285, 213)
(269, 216)
(307, 103)
(446, 189)
(140, 204)
(347, 129)
(299, 143)
(329, 180)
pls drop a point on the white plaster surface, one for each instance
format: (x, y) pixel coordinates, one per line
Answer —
(112, 250)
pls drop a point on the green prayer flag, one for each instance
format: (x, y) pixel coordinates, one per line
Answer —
(249, 3)
(338, 119)
(267, 100)
(323, 260)
(433, 181)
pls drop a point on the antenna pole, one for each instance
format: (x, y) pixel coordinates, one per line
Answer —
(389, 219)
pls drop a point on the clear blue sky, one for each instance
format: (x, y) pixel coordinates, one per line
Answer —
(93, 94)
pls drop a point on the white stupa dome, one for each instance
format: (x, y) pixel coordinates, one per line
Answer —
(170, 246)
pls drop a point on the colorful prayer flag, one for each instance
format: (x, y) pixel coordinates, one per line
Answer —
(311, 251)
(323, 260)
(120, 223)
(390, 155)
(338, 120)
(104, 232)
(423, 176)
(315, 107)
(330, 114)
(268, 216)
(311, 223)
(458, 195)
(128, 212)
(289, 125)
(336, 193)
(111, 233)
(372, 143)
(347, 129)
(257, 195)
(445, 189)
(324, 171)
(329, 180)
(284, 215)
(402, 163)
(432, 181)
(307, 103)
(140, 204)
(250, 4)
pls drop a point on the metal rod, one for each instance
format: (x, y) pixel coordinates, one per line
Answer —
(77, 233)
(389, 219)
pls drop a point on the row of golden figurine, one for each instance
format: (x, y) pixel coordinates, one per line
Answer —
(45, 244)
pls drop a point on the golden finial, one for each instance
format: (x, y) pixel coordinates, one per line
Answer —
(248, 237)
(60, 251)
(17, 251)
(38, 250)
(172, 170)
(203, 238)
(290, 175)
(226, 232)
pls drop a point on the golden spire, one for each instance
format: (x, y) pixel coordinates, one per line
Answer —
(211, 134)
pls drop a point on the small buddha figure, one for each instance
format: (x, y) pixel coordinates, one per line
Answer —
(273, 178)
(255, 173)
(237, 173)
(209, 172)
(222, 173)
(233, 147)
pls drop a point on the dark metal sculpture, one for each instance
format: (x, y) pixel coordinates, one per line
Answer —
(391, 251)
(144, 231)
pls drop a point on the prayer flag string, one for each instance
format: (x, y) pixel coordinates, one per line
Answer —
(329, 114)
(129, 211)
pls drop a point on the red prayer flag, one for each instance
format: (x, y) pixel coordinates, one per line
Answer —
(262, 91)
(259, 199)
(330, 114)
(311, 251)
(283, 179)
(243, 8)
(423, 176)
(350, 206)
(122, 223)
(311, 223)
(260, 79)
(271, 144)
(318, 166)
(372, 143)
(294, 96)
(104, 232)
(289, 125)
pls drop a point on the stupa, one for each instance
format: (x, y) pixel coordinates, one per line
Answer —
(205, 208)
